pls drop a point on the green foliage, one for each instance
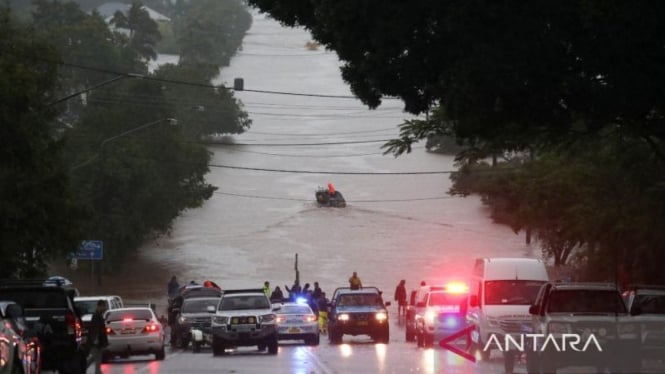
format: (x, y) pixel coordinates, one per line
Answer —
(143, 31)
(210, 31)
(206, 111)
(39, 220)
(138, 183)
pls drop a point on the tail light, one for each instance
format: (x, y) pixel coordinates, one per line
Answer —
(73, 325)
(310, 318)
(109, 331)
(151, 328)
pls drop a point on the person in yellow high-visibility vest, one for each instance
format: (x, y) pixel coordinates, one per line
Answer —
(266, 288)
(354, 282)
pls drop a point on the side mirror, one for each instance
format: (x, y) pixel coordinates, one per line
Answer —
(635, 311)
(473, 301)
(14, 311)
(210, 309)
(388, 303)
(420, 304)
(534, 310)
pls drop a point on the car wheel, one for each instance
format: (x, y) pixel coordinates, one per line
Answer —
(17, 369)
(312, 340)
(272, 346)
(262, 347)
(334, 336)
(217, 347)
(160, 355)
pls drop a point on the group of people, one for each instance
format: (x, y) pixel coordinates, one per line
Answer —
(401, 296)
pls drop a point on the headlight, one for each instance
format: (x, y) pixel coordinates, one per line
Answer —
(266, 318)
(343, 317)
(558, 328)
(220, 320)
(381, 316)
(182, 320)
(430, 317)
(280, 319)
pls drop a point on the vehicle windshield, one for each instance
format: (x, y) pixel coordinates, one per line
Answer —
(447, 299)
(368, 299)
(137, 314)
(295, 309)
(650, 304)
(244, 302)
(511, 292)
(198, 305)
(586, 301)
(87, 306)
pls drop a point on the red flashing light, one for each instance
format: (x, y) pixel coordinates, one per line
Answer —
(457, 287)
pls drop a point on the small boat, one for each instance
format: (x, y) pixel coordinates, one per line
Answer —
(327, 199)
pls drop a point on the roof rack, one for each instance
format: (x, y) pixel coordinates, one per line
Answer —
(30, 283)
(247, 290)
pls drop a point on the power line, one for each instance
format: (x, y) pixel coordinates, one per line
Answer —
(332, 172)
(351, 201)
(295, 144)
(194, 84)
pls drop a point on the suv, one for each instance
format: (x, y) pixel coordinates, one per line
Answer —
(647, 305)
(87, 305)
(193, 318)
(440, 311)
(582, 324)
(358, 312)
(49, 312)
(243, 318)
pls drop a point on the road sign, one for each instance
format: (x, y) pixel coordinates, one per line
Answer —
(90, 250)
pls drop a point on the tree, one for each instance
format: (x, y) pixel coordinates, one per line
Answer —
(532, 72)
(39, 221)
(206, 111)
(143, 31)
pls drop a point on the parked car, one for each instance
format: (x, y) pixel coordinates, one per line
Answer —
(192, 321)
(646, 304)
(297, 321)
(87, 305)
(134, 331)
(49, 312)
(358, 312)
(19, 347)
(582, 324)
(441, 311)
(243, 318)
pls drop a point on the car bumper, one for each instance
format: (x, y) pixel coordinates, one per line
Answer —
(244, 335)
(353, 328)
(296, 333)
(135, 345)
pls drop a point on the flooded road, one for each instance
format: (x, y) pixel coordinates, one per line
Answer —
(395, 226)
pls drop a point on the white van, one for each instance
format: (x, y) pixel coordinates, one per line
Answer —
(501, 292)
(87, 305)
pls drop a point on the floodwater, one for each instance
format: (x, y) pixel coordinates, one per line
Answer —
(397, 226)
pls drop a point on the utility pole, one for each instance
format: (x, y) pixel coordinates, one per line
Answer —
(297, 271)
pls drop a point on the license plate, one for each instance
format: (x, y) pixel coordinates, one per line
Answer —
(127, 331)
(242, 328)
(362, 323)
(294, 330)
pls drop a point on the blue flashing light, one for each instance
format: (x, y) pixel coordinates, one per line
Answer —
(301, 300)
(450, 322)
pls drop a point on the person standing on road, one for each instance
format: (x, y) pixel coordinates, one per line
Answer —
(266, 288)
(277, 296)
(97, 339)
(400, 297)
(316, 294)
(354, 282)
(173, 287)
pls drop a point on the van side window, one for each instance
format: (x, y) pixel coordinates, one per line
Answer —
(480, 293)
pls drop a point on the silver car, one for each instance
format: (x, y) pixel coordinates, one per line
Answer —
(132, 332)
(297, 321)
